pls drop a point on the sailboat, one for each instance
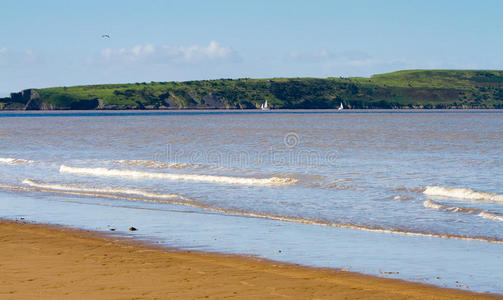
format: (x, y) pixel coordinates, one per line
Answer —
(341, 107)
(264, 106)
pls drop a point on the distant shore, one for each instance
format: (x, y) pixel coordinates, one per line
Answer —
(409, 89)
(247, 110)
(51, 262)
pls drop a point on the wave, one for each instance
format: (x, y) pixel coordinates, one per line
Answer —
(171, 176)
(14, 161)
(92, 193)
(480, 212)
(99, 190)
(435, 205)
(401, 197)
(154, 164)
(409, 190)
(203, 206)
(491, 216)
(460, 193)
(170, 165)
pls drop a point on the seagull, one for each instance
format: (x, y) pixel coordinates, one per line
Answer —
(105, 36)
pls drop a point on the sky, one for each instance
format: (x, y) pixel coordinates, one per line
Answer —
(59, 42)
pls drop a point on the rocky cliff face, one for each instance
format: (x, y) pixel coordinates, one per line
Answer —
(24, 96)
(33, 101)
(194, 101)
(87, 104)
(24, 100)
(30, 100)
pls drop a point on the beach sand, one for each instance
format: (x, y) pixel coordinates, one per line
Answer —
(49, 262)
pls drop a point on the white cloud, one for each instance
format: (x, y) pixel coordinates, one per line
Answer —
(3, 56)
(18, 58)
(325, 62)
(324, 55)
(133, 54)
(167, 54)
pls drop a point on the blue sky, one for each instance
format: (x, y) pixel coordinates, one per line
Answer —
(59, 43)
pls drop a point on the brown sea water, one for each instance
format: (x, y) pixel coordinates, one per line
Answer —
(416, 191)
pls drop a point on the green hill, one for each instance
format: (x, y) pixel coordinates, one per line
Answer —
(402, 89)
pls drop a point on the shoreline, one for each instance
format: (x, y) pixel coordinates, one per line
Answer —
(55, 261)
(189, 111)
(255, 109)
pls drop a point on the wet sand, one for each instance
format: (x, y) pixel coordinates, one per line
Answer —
(40, 261)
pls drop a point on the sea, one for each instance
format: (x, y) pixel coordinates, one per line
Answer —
(414, 195)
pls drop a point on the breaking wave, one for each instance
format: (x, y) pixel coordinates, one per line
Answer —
(153, 164)
(480, 212)
(14, 161)
(200, 205)
(171, 165)
(460, 193)
(401, 197)
(74, 188)
(103, 172)
(491, 216)
(435, 205)
(94, 193)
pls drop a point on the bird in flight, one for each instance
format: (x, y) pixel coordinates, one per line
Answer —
(105, 36)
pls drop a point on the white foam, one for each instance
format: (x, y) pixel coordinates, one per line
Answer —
(171, 165)
(435, 205)
(491, 216)
(154, 164)
(432, 204)
(191, 203)
(480, 212)
(103, 172)
(96, 194)
(460, 193)
(14, 161)
(99, 190)
(401, 197)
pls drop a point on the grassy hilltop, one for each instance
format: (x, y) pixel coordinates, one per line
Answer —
(402, 89)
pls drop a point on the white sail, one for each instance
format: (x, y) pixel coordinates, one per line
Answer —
(341, 107)
(264, 106)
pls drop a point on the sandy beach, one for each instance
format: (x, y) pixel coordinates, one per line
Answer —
(40, 261)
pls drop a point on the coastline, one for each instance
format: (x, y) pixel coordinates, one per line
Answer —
(220, 109)
(401, 89)
(52, 261)
(199, 111)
